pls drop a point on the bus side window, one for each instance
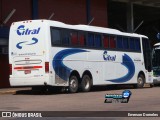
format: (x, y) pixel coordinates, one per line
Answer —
(74, 38)
(112, 42)
(90, 40)
(137, 44)
(98, 42)
(119, 42)
(82, 39)
(65, 37)
(55, 36)
(105, 41)
(125, 43)
(132, 44)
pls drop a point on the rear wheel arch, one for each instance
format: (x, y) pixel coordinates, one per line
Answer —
(141, 80)
(74, 72)
(142, 73)
(73, 83)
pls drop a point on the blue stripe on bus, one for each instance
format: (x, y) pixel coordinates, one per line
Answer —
(60, 69)
(129, 64)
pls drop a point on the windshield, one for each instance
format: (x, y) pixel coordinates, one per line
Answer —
(156, 61)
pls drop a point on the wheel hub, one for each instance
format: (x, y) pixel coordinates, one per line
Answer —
(86, 84)
(140, 81)
(73, 83)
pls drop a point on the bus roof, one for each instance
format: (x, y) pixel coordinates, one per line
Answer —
(157, 44)
(88, 28)
(94, 29)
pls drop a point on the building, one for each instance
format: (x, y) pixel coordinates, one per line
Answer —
(67, 11)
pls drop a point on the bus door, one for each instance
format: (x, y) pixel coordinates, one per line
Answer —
(147, 54)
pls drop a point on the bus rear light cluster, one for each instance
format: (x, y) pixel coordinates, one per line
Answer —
(47, 67)
(27, 67)
(10, 69)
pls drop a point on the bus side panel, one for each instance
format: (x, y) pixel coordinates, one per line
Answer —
(106, 67)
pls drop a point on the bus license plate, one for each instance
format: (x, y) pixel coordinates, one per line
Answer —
(27, 71)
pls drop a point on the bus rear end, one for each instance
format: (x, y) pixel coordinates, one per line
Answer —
(28, 61)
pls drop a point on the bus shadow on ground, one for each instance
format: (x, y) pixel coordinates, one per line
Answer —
(111, 87)
(39, 91)
(54, 91)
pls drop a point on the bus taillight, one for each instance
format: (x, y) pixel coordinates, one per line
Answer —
(10, 69)
(47, 67)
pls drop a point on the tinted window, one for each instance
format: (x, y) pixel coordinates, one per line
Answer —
(119, 42)
(82, 39)
(137, 44)
(65, 37)
(132, 44)
(90, 40)
(112, 42)
(98, 42)
(105, 41)
(125, 43)
(74, 38)
(56, 36)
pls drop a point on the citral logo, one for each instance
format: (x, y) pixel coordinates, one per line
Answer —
(108, 57)
(31, 42)
(21, 30)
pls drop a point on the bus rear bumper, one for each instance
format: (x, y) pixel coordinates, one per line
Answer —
(30, 81)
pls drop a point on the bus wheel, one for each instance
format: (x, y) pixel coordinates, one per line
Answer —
(73, 84)
(85, 84)
(140, 81)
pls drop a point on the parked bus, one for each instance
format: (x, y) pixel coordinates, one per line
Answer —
(156, 63)
(44, 52)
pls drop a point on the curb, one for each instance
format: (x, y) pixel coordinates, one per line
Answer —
(8, 92)
(147, 85)
(11, 90)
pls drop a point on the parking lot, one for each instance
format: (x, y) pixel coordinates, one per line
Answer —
(146, 99)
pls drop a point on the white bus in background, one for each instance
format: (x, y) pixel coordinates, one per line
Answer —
(51, 53)
(156, 63)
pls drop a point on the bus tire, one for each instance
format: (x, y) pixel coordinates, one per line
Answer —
(73, 84)
(140, 81)
(85, 84)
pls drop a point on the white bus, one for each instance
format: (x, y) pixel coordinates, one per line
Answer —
(156, 63)
(44, 52)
